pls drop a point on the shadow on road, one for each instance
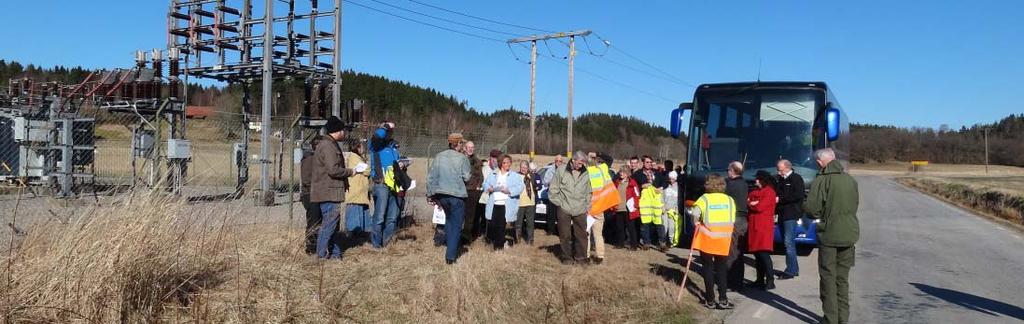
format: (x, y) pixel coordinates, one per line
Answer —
(785, 305)
(972, 302)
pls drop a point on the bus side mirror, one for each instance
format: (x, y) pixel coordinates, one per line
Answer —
(676, 124)
(832, 123)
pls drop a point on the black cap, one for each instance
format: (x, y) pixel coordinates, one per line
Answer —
(334, 125)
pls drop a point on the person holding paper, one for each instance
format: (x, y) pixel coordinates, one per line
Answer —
(446, 186)
(625, 229)
(357, 198)
(327, 187)
(503, 187)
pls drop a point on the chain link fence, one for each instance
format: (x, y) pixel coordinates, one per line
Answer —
(121, 150)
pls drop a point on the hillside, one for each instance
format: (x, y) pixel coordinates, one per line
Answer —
(878, 143)
(429, 112)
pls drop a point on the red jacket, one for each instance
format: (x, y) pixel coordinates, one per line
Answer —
(761, 220)
(632, 192)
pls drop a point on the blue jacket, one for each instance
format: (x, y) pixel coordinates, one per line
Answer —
(448, 174)
(387, 150)
(515, 188)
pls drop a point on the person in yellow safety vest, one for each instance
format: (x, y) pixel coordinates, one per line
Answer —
(651, 208)
(714, 213)
(597, 169)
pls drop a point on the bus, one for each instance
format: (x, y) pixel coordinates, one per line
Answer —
(759, 123)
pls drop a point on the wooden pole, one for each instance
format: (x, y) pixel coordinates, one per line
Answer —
(689, 260)
(986, 150)
(572, 56)
(533, 94)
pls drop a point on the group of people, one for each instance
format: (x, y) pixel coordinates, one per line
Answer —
(332, 175)
(640, 204)
(728, 215)
(458, 182)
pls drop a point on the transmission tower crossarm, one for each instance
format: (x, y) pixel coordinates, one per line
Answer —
(583, 32)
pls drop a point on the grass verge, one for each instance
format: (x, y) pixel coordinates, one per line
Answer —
(1003, 204)
(152, 259)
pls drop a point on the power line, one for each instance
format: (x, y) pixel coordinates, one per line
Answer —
(552, 58)
(600, 77)
(633, 57)
(444, 19)
(425, 23)
(479, 18)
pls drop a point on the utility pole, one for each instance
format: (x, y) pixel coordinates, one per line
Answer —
(572, 56)
(533, 95)
(336, 87)
(986, 150)
(266, 197)
(533, 79)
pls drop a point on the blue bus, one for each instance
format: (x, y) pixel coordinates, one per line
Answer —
(759, 123)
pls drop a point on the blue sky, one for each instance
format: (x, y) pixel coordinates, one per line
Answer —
(908, 63)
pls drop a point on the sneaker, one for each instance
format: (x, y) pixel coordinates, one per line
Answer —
(710, 304)
(449, 261)
(598, 260)
(786, 276)
(725, 304)
(770, 285)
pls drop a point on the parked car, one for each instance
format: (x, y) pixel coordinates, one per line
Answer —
(542, 196)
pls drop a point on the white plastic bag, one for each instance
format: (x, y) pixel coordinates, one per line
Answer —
(439, 216)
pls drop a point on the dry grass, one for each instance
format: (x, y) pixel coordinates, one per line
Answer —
(1005, 201)
(152, 259)
(935, 169)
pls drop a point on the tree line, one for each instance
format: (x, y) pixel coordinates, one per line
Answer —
(421, 108)
(879, 143)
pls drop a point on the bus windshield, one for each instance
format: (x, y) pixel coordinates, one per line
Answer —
(759, 127)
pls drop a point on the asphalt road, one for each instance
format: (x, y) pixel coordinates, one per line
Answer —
(919, 260)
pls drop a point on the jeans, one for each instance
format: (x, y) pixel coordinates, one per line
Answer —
(651, 233)
(524, 224)
(788, 239)
(312, 223)
(357, 218)
(327, 245)
(454, 211)
(385, 215)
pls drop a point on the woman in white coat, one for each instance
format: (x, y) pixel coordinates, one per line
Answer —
(503, 187)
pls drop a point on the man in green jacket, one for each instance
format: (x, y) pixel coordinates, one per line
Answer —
(570, 191)
(833, 200)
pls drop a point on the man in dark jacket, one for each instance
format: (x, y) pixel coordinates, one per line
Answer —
(474, 188)
(327, 186)
(833, 199)
(312, 209)
(738, 189)
(790, 189)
